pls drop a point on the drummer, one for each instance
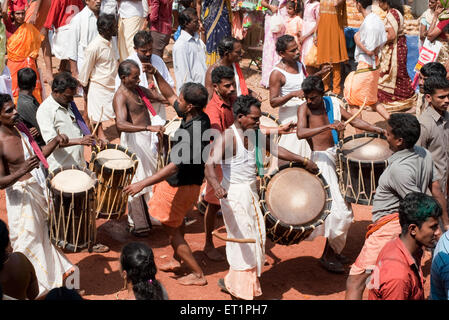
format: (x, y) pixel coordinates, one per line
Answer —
(410, 169)
(319, 122)
(179, 182)
(23, 178)
(238, 194)
(219, 110)
(132, 106)
(285, 90)
(59, 114)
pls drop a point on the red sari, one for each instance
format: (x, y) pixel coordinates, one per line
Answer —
(395, 86)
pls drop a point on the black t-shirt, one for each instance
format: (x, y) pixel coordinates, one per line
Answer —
(187, 151)
(27, 108)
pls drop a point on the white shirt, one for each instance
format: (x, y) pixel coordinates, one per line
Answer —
(83, 29)
(372, 35)
(189, 59)
(129, 9)
(100, 63)
(157, 62)
(52, 117)
(108, 7)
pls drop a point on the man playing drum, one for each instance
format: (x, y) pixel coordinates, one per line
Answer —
(410, 169)
(59, 114)
(319, 122)
(179, 182)
(133, 111)
(219, 110)
(23, 177)
(236, 151)
(285, 90)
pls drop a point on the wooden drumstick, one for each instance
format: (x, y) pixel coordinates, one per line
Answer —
(356, 114)
(214, 233)
(170, 122)
(98, 123)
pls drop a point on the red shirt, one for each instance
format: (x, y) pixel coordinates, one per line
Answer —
(61, 12)
(160, 16)
(220, 115)
(397, 275)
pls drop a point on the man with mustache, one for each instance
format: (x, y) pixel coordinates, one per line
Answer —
(434, 122)
(398, 274)
(22, 176)
(285, 90)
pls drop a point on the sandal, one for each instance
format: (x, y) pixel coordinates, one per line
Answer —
(222, 286)
(335, 267)
(100, 248)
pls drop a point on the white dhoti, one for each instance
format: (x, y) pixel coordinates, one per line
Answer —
(6, 82)
(337, 223)
(127, 28)
(288, 113)
(144, 145)
(27, 211)
(99, 97)
(59, 42)
(243, 220)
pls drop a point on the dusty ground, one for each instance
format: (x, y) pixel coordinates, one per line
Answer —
(291, 272)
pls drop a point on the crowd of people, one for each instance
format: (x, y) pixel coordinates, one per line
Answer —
(114, 53)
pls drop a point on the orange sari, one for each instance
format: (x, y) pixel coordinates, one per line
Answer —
(23, 49)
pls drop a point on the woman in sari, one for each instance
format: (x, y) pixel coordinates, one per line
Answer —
(23, 44)
(216, 17)
(435, 31)
(395, 87)
(269, 56)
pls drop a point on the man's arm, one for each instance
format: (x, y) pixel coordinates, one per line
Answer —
(8, 180)
(208, 82)
(275, 83)
(304, 132)
(60, 140)
(435, 188)
(216, 156)
(166, 90)
(36, 10)
(359, 123)
(121, 115)
(90, 58)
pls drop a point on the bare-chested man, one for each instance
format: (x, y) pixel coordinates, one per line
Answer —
(26, 204)
(17, 275)
(138, 128)
(285, 90)
(318, 122)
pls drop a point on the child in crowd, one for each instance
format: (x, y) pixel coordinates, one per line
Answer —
(139, 271)
(293, 25)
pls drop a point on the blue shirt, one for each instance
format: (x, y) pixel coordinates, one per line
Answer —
(439, 279)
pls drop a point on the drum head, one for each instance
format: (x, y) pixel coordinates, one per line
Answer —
(295, 196)
(72, 181)
(366, 149)
(114, 159)
(172, 126)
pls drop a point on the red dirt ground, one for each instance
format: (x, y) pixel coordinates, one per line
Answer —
(291, 272)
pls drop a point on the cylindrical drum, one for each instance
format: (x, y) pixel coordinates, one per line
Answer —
(71, 208)
(294, 202)
(115, 167)
(361, 159)
(166, 144)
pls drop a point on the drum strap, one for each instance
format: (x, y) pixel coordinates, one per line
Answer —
(146, 101)
(259, 160)
(37, 151)
(330, 115)
(243, 87)
(79, 120)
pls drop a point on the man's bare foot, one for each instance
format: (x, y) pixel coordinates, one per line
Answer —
(213, 254)
(171, 266)
(192, 280)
